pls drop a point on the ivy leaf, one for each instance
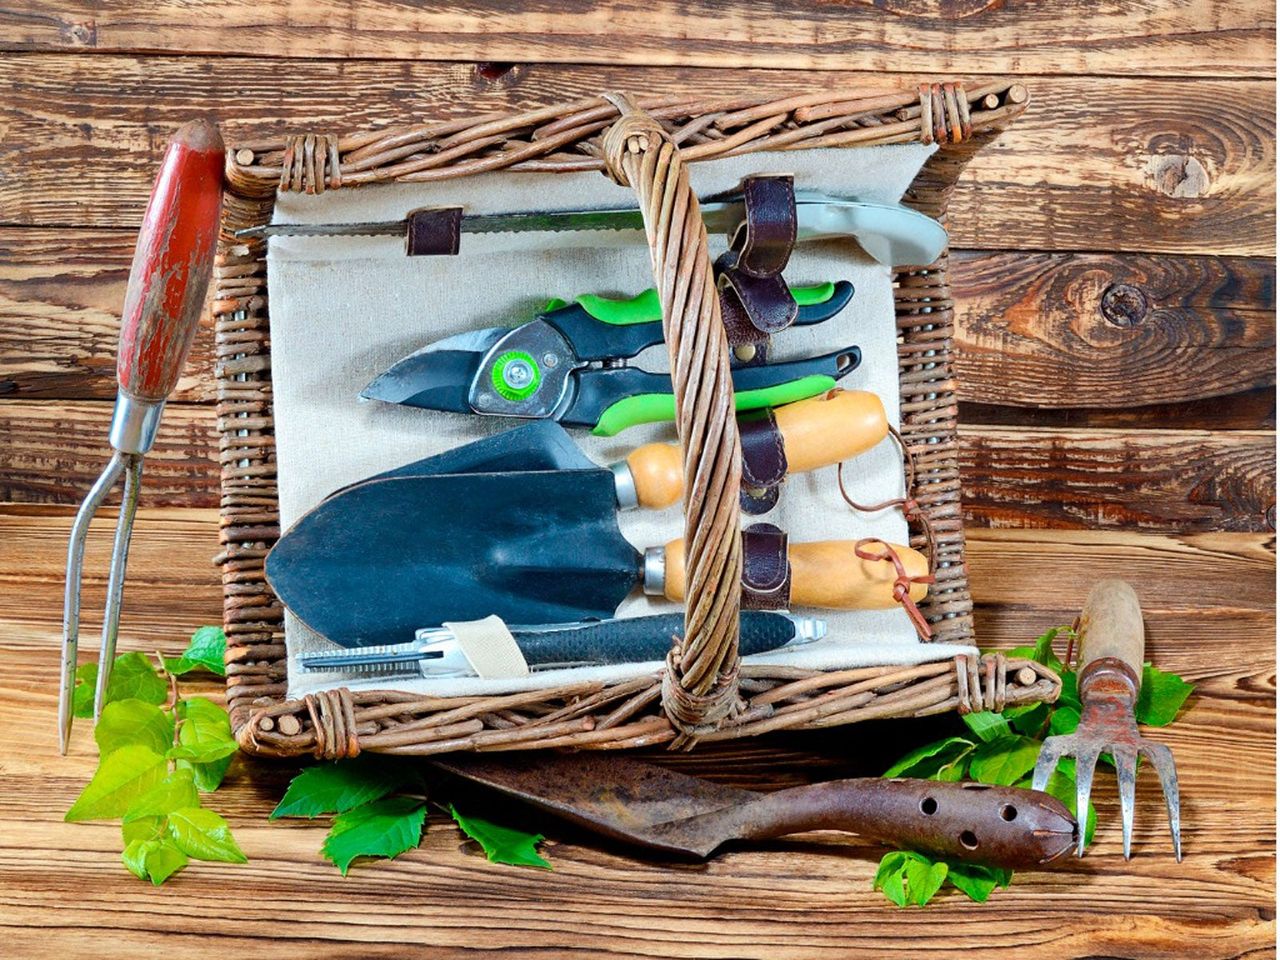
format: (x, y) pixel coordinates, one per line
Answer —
(206, 651)
(174, 792)
(987, 725)
(154, 859)
(1004, 761)
(133, 721)
(977, 882)
(122, 777)
(905, 875)
(502, 844)
(339, 787)
(383, 828)
(933, 759)
(1161, 696)
(204, 835)
(889, 876)
(204, 733)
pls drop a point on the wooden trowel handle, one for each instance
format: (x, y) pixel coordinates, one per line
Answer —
(1000, 826)
(817, 432)
(1110, 625)
(825, 573)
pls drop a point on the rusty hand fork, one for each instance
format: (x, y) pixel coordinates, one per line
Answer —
(1111, 645)
(167, 282)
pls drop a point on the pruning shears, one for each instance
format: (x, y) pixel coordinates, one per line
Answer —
(569, 364)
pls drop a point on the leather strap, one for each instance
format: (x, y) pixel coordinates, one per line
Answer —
(764, 461)
(766, 572)
(433, 232)
(754, 299)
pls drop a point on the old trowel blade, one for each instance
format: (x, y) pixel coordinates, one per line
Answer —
(624, 799)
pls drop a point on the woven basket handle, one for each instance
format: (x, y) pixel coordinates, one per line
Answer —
(700, 688)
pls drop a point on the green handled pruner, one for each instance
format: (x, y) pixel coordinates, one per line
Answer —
(570, 364)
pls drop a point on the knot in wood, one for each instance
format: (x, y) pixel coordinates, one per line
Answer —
(1124, 305)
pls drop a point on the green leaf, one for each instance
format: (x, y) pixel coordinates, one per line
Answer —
(1043, 652)
(204, 835)
(1064, 720)
(924, 879)
(82, 693)
(206, 651)
(204, 732)
(383, 828)
(889, 877)
(156, 859)
(977, 882)
(338, 787)
(122, 777)
(1004, 761)
(133, 677)
(1161, 696)
(144, 828)
(133, 721)
(174, 792)
(1070, 695)
(502, 844)
(987, 725)
(927, 761)
(1029, 722)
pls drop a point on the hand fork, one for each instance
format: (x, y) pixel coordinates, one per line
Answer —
(1112, 646)
(167, 282)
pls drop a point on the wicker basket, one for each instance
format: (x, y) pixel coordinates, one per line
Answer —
(704, 693)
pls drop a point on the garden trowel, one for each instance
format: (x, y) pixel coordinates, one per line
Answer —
(649, 806)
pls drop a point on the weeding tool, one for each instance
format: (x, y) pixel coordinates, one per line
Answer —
(436, 653)
(891, 234)
(466, 535)
(672, 813)
(569, 364)
(1112, 646)
(171, 268)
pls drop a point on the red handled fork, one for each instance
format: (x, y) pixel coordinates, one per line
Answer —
(167, 283)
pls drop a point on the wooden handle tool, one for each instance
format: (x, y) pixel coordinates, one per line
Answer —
(167, 283)
(818, 432)
(824, 573)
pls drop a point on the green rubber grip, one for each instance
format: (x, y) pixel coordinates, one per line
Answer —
(646, 308)
(660, 407)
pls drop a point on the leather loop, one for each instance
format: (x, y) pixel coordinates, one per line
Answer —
(433, 232)
(764, 461)
(766, 572)
(754, 299)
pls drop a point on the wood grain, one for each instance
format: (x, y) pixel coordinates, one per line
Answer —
(64, 893)
(1096, 163)
(1038, 330)
(50, 452)
(1214, 37)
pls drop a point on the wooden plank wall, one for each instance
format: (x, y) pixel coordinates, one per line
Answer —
(1114, 267)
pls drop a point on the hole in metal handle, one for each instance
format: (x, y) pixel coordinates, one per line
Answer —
(1009, 813)
(928, 806)
(969, 840)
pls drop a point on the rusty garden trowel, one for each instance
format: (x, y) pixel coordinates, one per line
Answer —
(667, 812)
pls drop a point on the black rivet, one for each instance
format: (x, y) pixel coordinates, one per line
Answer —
(1124, 305)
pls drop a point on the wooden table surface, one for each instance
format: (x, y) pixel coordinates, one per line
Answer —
(1115, 277)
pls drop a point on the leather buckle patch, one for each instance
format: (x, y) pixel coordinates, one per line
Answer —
(764, 461)
(754, 299)
(766, 572)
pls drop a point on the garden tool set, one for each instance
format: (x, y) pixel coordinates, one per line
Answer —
(402, 570)
(167, 282)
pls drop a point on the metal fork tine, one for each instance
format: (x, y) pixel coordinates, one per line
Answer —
(1085, 764)
(1050, 753)
(1161, 758)
(71, 599)
(115, 579)
(1126, 760)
